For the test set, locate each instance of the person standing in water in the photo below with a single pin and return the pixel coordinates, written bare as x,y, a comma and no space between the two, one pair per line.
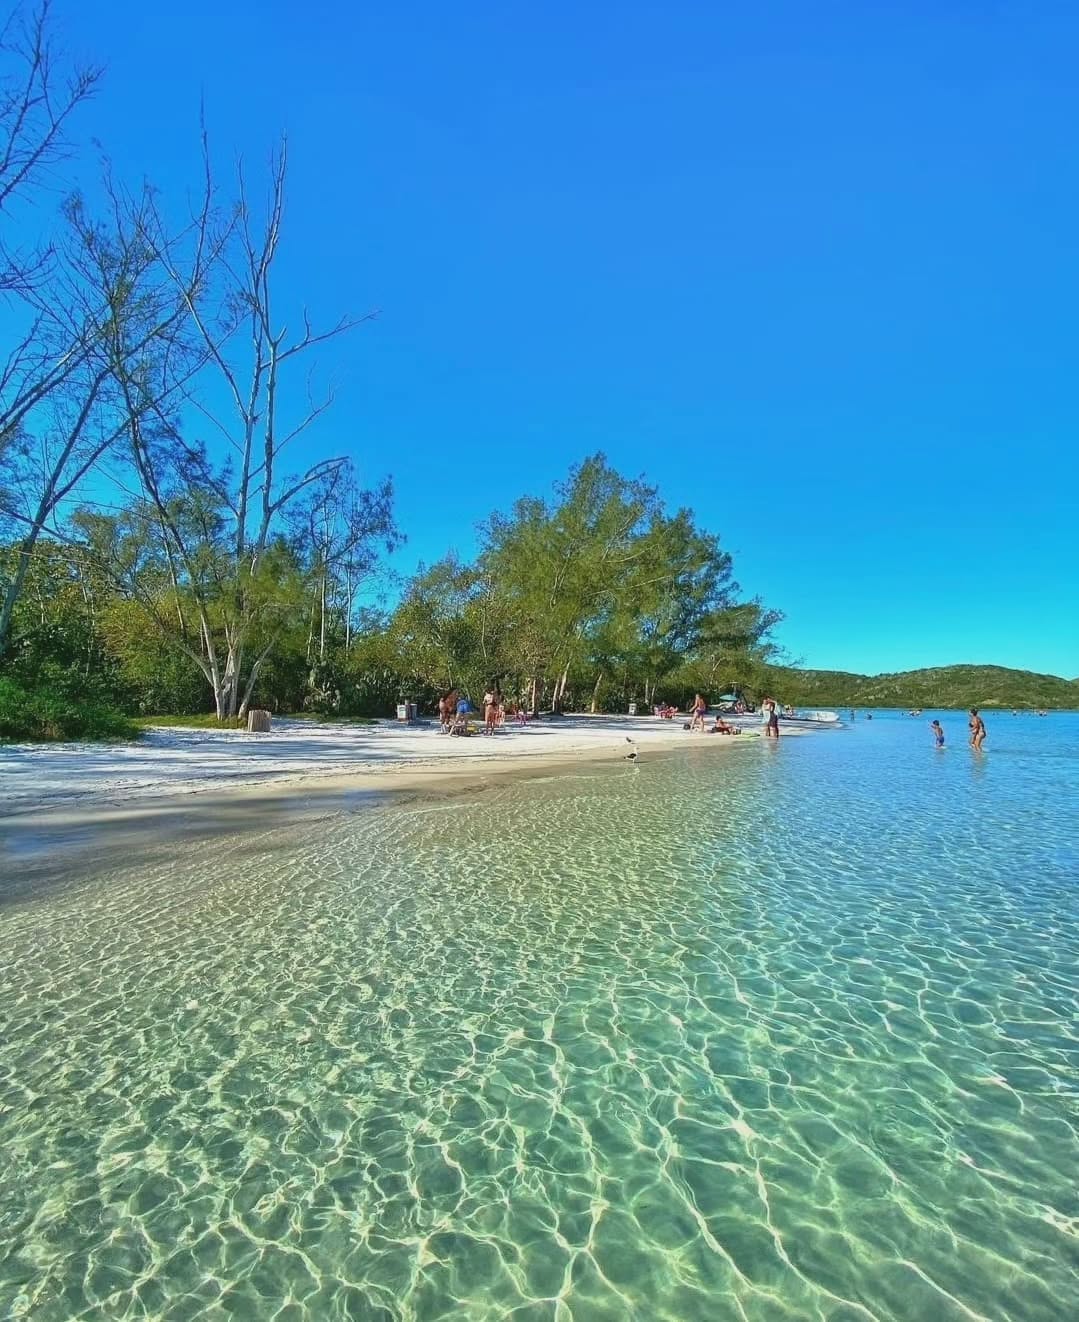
766,716
769,718
977,730
938,733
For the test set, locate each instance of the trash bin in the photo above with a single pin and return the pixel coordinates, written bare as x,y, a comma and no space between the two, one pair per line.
402,711
633,709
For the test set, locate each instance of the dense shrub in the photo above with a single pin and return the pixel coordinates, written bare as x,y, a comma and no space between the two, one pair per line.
50,711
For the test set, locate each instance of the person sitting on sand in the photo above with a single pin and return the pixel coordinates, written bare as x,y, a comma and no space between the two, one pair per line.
721,727
460,721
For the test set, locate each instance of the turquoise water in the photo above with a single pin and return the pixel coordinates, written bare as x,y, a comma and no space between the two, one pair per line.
771,1033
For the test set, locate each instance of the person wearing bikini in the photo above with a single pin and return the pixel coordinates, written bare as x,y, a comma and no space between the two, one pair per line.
977,730
490,710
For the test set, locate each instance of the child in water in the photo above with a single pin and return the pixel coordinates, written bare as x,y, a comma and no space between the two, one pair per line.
938,732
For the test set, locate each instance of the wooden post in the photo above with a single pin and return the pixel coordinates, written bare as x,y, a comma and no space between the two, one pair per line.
258,721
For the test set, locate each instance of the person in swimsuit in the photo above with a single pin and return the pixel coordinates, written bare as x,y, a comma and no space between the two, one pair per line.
700,709
490,711
977,730
769,718
938,733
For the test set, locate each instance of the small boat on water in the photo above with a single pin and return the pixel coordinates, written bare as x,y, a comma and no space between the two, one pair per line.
811,718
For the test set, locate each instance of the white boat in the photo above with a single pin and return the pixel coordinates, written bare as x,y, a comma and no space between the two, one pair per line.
812,717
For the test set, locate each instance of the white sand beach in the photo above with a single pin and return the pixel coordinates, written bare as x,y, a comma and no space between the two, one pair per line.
188,782
181,761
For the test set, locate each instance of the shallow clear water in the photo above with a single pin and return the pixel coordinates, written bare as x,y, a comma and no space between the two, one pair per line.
786,1033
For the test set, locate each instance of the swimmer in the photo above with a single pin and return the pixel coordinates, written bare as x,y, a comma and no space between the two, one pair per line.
938,733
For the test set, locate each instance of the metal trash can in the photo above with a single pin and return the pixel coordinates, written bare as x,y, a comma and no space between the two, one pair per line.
633,709
402,711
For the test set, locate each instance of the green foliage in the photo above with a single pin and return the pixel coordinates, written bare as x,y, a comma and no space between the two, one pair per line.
454,628
592,597
372,681
209,721
156,675
194,721
948,687
51,711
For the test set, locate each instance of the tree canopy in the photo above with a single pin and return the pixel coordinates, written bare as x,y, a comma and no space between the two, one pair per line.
181,529
596,590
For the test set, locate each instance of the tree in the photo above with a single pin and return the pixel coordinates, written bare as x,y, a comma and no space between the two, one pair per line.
110,295
39,95
38,98
454,628
600,583
732,650
343,530
226,581
565,564
679,584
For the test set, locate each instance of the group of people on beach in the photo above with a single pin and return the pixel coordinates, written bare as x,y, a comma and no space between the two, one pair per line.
698,714
454,709
975,724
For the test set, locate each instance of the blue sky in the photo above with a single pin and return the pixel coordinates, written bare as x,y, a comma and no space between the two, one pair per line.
811,268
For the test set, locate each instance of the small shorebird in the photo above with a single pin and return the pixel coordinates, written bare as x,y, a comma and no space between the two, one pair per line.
632,755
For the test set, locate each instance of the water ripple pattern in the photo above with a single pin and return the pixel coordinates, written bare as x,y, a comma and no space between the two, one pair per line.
787,1034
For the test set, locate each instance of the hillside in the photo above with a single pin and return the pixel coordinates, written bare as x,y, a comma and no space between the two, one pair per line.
939,686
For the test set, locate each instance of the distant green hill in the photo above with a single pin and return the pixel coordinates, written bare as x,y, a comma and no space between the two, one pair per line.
940,686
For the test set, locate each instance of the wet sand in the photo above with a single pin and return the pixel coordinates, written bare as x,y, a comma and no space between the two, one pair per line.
43,838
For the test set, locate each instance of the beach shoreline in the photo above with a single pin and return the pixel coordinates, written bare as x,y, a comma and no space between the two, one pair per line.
193,784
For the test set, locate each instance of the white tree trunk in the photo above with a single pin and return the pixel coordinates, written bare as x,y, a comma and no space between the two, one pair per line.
595,693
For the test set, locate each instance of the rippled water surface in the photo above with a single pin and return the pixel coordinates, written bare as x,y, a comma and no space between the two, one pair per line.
769,1033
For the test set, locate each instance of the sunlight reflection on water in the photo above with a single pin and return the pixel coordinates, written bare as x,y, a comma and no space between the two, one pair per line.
789,1033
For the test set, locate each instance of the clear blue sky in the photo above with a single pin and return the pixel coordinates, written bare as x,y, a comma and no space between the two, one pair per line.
813,268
